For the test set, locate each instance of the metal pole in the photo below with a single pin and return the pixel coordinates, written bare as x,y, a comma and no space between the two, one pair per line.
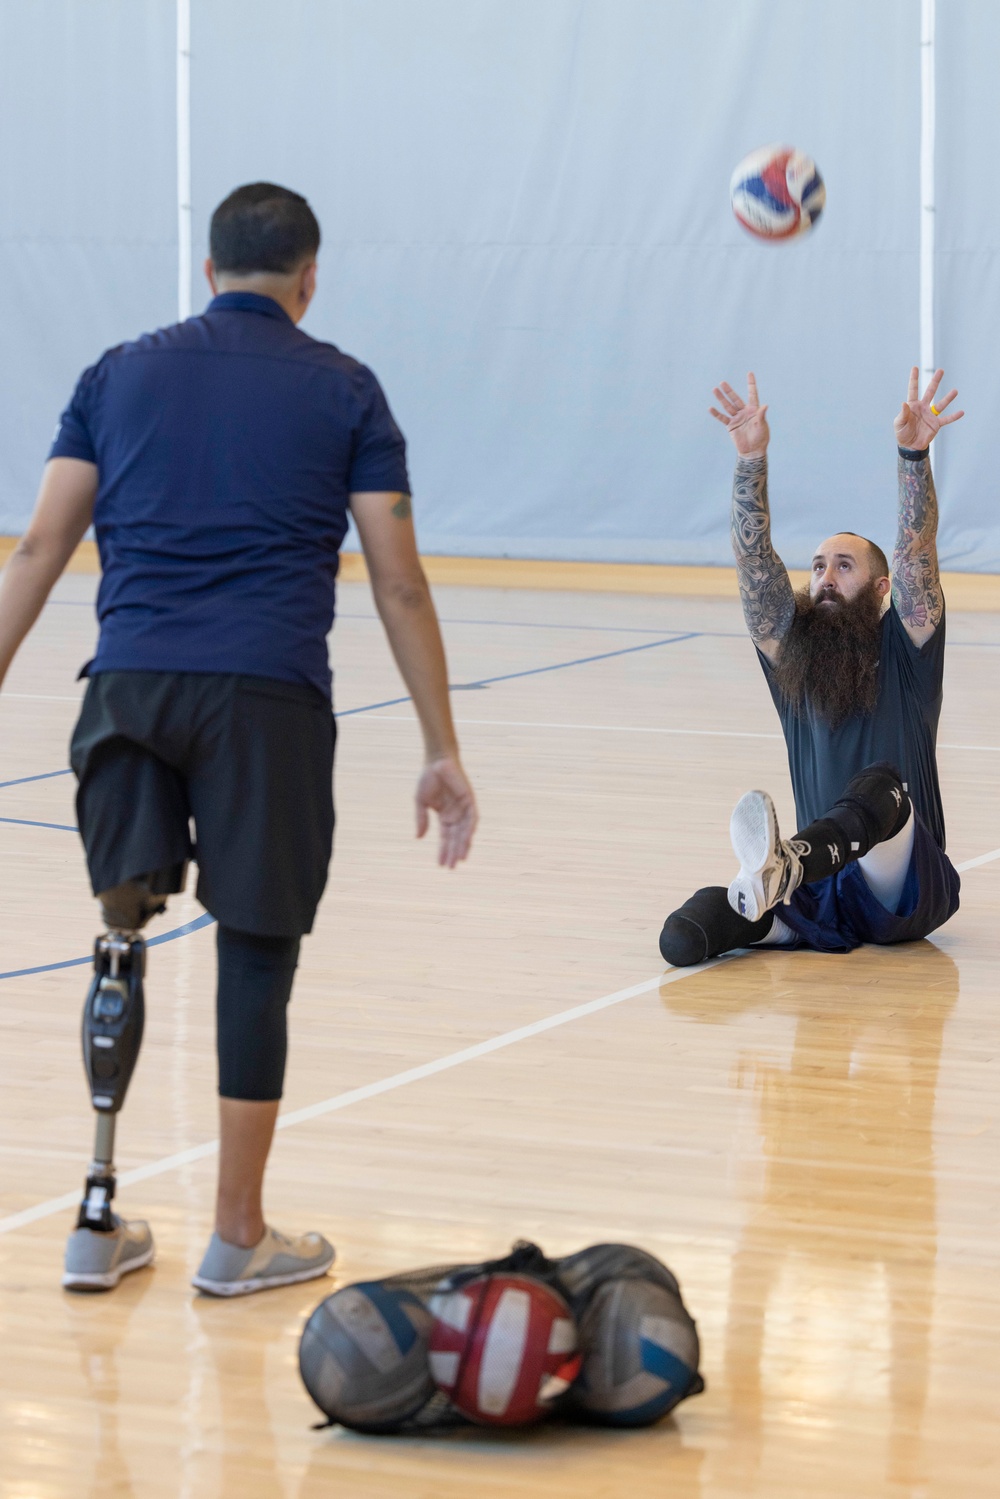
184,246
927,205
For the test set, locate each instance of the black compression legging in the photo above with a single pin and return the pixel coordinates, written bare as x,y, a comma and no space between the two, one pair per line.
255,985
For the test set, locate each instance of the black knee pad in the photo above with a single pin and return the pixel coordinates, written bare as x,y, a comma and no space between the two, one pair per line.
128,906
874,807
705,926
255,985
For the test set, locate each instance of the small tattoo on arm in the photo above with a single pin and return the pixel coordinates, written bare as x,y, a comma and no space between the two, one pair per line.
403,509
765,588
916,582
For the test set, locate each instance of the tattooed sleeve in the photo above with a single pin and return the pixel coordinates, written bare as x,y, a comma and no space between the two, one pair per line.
768,601
916,584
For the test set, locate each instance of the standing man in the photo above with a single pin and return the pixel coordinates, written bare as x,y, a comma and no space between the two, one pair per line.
854,664
218,460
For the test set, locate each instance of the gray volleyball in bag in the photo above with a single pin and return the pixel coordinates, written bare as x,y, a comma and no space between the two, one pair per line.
639,1344
363,1356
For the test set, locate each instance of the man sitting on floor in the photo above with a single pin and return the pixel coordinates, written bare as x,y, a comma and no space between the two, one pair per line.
855,665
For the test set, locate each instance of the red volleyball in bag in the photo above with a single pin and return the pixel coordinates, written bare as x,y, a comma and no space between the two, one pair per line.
503,1348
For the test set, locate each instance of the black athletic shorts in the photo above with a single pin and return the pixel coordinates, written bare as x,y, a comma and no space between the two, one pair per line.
248,759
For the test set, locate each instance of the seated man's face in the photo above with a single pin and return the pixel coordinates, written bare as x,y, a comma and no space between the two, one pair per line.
841,570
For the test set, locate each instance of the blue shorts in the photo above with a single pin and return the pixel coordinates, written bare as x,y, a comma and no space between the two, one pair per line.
838,914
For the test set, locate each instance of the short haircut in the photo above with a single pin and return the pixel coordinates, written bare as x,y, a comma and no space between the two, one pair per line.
879,561
262,227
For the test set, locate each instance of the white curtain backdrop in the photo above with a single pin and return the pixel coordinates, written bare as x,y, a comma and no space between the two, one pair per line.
527,235
88,236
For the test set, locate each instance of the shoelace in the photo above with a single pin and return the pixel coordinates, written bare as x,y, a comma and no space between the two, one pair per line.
793,873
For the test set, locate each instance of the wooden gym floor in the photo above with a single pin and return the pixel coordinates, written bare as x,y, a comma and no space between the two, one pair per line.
809,1142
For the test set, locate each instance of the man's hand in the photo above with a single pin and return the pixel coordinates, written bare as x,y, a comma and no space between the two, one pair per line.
921,417
745,421
444,789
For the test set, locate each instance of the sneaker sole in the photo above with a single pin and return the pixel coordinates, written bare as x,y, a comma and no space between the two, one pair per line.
260,1282
81,1281
753,831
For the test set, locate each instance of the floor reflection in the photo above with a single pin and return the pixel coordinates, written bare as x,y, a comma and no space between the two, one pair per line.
98,1339
240,1455
831,1294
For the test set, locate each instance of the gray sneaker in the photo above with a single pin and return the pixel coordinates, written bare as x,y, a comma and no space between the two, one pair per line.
770,868
228,1270
97,1261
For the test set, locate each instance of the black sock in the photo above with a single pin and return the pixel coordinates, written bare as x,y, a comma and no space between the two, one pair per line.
705,926
874,807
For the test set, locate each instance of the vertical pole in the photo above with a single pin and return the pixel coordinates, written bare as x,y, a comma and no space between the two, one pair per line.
184,239
927,204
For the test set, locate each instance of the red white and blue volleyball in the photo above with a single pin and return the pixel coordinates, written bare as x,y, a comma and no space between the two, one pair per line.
503,1348
777,193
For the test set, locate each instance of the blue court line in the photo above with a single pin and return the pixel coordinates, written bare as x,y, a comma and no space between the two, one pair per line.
46,775
202,921
25,822
485,681
534,671
178,931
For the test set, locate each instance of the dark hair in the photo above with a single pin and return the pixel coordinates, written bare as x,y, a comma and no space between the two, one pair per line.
261,227
879,561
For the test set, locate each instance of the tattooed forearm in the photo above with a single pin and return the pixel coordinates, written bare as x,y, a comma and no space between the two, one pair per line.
916,583
768,601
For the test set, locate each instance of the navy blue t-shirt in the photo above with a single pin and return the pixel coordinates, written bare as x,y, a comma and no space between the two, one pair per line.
226,449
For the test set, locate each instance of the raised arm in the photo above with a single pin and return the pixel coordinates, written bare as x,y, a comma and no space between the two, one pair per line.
765,588
916,582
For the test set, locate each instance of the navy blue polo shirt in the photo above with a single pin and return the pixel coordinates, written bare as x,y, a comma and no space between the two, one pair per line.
226,449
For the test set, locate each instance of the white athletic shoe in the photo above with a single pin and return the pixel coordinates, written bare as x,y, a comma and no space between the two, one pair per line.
228,1270
97,1261
770,869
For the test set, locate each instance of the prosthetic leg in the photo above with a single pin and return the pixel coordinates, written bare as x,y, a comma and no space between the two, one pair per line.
113,1019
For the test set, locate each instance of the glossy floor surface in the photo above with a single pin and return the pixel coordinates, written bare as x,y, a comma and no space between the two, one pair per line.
811,1143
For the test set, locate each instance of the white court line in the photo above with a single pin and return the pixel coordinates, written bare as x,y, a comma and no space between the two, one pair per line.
398,1079
369,1090
620,728
975,863
525,723
604,728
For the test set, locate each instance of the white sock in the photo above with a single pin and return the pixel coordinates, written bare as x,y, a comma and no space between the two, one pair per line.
885,866
780,935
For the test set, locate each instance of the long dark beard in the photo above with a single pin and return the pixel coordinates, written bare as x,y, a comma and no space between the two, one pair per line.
829,658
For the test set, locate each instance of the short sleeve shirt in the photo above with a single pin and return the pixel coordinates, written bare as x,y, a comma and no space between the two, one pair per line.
227,447
902,730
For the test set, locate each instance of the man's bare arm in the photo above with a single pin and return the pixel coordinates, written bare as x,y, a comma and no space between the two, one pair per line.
407,611
765,587
916,581
768,601
63,511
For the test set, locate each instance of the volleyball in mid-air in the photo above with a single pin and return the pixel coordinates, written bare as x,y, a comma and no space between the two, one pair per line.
777,193
502,1347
